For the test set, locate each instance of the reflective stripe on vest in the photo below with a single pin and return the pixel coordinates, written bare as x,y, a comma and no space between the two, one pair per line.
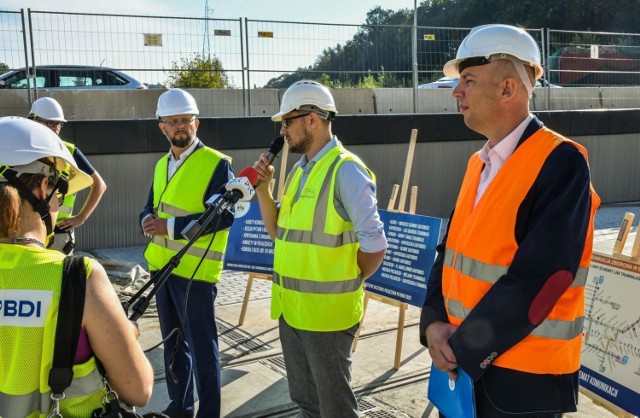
309,290
25,405
473,263
181,196
323,288
66,209
550,328
490,273
194,251
317,236
171,210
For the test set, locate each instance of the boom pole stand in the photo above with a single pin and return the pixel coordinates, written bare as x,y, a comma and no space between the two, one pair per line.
139,302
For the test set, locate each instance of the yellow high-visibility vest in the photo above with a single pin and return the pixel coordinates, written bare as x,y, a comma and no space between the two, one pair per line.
183,195
30,282
66,210
317,284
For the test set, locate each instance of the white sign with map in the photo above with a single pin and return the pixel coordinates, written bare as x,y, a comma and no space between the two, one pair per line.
611,347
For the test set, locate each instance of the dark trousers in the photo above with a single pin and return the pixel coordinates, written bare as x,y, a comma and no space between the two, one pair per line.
194,355
486,408
319,371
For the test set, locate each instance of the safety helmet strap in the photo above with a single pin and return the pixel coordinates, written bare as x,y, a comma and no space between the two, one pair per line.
324,114
41,206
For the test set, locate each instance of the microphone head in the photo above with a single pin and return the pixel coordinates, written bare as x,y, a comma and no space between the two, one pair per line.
276,145
250,173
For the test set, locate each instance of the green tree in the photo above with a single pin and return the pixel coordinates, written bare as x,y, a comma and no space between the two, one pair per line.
198,72
3,68
384,41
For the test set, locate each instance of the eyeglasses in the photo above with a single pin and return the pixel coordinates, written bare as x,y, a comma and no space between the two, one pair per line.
286,122
178,121
52,124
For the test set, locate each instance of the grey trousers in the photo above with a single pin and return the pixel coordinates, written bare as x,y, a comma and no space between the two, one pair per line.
319,371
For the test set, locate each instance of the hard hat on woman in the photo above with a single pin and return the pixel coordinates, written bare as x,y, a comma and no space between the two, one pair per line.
27,147
23,143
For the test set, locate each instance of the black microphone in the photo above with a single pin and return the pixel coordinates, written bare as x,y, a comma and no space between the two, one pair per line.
240,188
274,149
272,152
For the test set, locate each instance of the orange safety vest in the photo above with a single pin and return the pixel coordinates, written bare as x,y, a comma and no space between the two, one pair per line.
473,263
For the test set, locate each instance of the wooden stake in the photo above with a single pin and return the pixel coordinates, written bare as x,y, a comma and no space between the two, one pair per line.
407,169
635,251
283,170
413,201
247,292
394,195
618,245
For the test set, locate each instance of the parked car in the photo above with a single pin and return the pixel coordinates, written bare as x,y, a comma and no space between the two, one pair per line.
544,83
70,77
449,83
441,83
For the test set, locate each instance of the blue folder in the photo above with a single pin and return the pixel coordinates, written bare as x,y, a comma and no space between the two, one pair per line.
453,399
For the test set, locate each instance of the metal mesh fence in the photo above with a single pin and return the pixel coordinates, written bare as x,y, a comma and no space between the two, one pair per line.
12,44
280,53
146,47
593,58
276,53
254,54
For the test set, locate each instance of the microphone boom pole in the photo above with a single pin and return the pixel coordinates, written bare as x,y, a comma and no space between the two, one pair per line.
139,302
240,188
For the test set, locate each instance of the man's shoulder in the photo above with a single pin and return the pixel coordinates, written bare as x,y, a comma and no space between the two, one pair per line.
212,152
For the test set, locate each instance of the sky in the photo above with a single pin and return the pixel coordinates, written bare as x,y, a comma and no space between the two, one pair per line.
304,43
327,11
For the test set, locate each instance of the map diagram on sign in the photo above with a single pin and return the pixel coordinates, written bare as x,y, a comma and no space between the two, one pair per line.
611,346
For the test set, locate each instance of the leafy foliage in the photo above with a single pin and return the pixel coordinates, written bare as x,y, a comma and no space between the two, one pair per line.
354,63
4,68
198,72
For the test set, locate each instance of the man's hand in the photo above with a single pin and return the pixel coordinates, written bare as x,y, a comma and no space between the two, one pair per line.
265,172
152,225
438,334
70,223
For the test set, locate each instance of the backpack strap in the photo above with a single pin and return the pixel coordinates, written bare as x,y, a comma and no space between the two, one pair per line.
70,311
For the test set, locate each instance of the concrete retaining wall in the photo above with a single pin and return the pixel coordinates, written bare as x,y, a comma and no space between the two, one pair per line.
141,104
438,168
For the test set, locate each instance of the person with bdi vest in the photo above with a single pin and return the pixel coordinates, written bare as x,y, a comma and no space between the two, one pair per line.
184,180
48,112
36,171
328,240
505,298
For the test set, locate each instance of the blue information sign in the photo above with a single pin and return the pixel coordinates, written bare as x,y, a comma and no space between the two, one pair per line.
250,248
412,248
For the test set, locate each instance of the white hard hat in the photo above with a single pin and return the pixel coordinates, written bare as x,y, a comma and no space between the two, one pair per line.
496,39
47,108
24,142
176,102
307,95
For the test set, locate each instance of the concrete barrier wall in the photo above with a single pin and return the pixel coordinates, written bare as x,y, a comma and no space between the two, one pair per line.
438,168
141,104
